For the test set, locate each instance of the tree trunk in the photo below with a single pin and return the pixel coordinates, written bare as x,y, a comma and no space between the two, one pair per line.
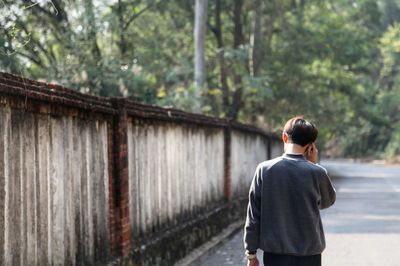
238,39
217,30
199,48
91,30
95,80
255,41
122,40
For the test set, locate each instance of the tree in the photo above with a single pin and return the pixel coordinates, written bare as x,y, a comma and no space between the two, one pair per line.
334,61
200,26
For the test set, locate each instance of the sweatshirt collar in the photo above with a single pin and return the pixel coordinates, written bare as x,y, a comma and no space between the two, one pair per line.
294,156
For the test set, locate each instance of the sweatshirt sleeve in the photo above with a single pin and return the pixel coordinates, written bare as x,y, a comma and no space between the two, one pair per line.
327,191
252,225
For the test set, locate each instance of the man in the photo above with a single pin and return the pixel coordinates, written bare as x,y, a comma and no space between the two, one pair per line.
285,197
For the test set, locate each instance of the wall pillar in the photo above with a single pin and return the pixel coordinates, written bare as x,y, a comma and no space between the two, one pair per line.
227,162
269,147
113,236
121,179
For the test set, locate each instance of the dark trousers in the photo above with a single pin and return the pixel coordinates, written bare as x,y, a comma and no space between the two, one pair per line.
272,259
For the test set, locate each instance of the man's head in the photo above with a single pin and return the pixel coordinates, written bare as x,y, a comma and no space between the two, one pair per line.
299,131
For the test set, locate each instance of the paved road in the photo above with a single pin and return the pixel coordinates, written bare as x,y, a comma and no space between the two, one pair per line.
362,228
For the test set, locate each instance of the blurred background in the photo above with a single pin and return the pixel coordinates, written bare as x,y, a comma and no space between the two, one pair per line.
336,62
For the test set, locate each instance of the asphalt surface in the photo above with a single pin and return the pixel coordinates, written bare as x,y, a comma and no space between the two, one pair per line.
362,228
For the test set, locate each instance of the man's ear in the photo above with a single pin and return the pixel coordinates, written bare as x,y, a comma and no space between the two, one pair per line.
307,147
284,137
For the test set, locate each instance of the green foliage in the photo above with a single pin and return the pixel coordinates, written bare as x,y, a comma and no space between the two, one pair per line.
336,62
392,150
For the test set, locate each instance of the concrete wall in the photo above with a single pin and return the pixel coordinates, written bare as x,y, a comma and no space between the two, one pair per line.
53,189
248,150
276,147
92,180
173,170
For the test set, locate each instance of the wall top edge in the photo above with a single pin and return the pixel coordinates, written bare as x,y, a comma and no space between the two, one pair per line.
256,130
152,112
29,89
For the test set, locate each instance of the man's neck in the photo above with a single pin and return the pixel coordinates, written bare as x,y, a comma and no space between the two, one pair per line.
291,148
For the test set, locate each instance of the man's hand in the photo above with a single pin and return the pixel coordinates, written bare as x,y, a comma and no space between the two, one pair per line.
253,262
312,153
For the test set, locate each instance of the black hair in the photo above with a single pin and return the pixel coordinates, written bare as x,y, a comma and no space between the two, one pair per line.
300,131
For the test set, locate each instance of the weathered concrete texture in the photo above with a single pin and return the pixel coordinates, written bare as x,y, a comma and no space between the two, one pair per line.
276,147
248,150
53,189
165,247
176,185
81,173
196,257
174,171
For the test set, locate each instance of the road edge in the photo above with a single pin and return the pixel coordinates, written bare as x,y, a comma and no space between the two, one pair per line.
198,255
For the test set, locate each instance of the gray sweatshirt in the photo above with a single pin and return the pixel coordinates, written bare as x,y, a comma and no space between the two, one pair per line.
285,197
